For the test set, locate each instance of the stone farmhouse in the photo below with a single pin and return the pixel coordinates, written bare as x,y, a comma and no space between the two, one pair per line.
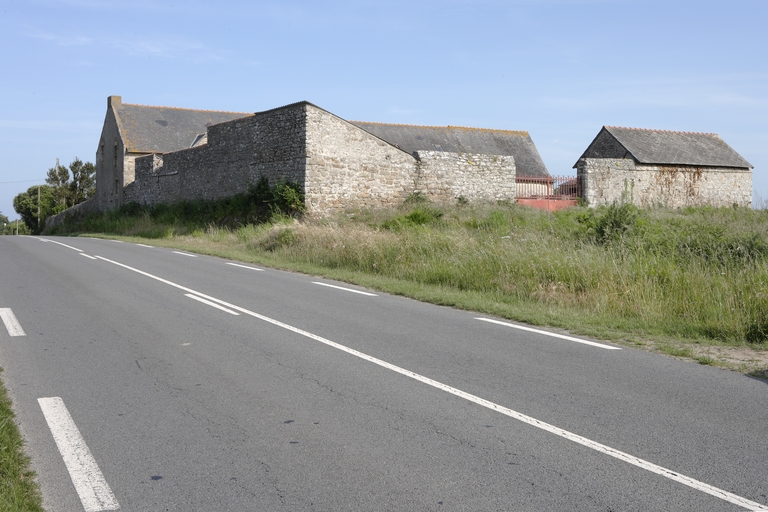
159,154
131,131
663,168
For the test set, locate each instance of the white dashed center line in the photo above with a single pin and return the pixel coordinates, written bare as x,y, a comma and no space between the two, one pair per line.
212,304
551,334
345,289
246,266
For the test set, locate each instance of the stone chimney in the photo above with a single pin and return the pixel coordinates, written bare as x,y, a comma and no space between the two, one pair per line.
114,101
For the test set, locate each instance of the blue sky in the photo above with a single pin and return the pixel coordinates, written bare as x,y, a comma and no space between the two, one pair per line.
559,69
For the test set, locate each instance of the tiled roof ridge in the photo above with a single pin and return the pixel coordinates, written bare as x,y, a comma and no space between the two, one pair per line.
515,132
187,109
664,131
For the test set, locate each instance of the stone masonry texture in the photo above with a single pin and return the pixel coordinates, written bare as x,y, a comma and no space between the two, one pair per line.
608,180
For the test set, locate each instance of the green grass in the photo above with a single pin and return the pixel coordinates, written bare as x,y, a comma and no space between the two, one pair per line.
18,490
696,276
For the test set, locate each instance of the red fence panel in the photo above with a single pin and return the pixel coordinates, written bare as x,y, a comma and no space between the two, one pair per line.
547,187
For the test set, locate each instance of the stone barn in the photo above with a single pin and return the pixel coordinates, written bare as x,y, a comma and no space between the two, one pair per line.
151,155
663,168
339,164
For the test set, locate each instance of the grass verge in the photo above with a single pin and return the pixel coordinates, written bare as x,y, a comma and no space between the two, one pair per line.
18,490
690,283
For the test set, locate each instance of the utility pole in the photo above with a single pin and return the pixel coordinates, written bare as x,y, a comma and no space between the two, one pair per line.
38,208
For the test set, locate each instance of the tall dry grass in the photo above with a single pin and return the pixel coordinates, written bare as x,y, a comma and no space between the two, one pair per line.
697,273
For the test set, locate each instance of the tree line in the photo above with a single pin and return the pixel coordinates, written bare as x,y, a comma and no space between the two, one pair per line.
64,188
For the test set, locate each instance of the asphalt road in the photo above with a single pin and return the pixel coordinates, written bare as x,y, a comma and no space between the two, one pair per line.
151,380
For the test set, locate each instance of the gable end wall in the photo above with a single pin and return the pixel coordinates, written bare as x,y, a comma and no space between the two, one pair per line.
110,164
349,168
605,145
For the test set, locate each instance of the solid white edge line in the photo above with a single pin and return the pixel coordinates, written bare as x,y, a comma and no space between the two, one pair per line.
12,325
212,304
87,256
59,243
345,289
551,334
246,266
186,254
90,484
630,459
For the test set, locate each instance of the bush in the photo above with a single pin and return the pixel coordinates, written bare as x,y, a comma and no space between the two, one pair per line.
612,223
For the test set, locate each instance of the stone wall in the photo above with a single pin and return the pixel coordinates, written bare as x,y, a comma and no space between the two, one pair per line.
238,153
348,167
605,180
74,212
338,165
444,177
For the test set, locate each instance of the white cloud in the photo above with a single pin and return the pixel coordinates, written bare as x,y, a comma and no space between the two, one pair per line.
138,45
60,39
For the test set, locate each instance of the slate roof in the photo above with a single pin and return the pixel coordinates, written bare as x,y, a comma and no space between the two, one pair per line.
164,129
456,139
662,147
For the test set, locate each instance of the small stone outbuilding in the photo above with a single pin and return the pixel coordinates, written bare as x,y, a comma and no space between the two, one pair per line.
663,168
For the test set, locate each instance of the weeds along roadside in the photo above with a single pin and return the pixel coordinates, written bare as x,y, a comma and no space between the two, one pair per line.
618,272
18,489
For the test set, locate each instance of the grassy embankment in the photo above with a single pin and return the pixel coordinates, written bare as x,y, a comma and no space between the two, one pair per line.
691,282
18,489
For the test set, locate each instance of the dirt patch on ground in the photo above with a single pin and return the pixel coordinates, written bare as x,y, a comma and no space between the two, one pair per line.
743,359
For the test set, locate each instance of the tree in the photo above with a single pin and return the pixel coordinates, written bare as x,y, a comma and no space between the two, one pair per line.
26,205
4,222
83,185
69,192
58,178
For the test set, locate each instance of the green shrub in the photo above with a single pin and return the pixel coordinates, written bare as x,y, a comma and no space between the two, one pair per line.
419,216
612,223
